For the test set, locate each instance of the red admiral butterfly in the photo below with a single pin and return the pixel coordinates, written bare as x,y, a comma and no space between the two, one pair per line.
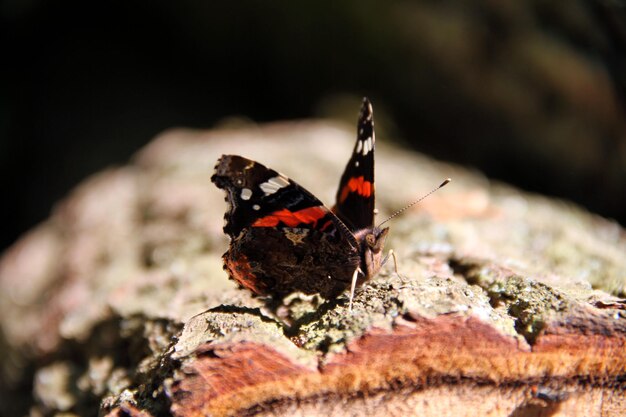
283,239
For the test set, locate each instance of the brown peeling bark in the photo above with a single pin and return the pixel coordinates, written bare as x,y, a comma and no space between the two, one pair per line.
507,304
235,377
416,356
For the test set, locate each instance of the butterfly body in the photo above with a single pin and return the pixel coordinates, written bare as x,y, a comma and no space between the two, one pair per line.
283,239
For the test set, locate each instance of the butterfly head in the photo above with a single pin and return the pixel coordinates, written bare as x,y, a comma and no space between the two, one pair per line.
372,243
374,239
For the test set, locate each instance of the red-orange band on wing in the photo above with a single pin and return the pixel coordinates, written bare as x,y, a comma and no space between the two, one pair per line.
358,185
291,218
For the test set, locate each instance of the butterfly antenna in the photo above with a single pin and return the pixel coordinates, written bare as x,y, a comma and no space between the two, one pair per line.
444,183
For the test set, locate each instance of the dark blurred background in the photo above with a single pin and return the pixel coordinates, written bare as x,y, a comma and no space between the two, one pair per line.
530,92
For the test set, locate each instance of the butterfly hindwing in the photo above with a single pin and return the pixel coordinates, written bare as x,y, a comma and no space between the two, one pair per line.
355,198
304,260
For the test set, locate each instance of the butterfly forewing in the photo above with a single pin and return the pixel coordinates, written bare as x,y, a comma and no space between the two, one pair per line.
355,197
257,194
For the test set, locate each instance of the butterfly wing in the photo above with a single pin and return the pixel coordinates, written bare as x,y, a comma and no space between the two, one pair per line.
283,238
355,198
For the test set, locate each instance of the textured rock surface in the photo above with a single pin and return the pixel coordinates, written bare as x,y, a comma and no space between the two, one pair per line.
508,304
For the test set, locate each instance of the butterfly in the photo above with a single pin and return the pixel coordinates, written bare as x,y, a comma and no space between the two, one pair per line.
284,239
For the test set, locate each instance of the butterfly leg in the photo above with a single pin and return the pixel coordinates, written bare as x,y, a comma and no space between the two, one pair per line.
353,286
395,260
395,264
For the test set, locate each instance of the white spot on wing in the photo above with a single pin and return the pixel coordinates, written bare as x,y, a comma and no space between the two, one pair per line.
246,193
274,184
359,146
367,146
283,181
356,164
256,207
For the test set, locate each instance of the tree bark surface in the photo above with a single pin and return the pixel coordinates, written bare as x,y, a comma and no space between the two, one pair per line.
506,303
